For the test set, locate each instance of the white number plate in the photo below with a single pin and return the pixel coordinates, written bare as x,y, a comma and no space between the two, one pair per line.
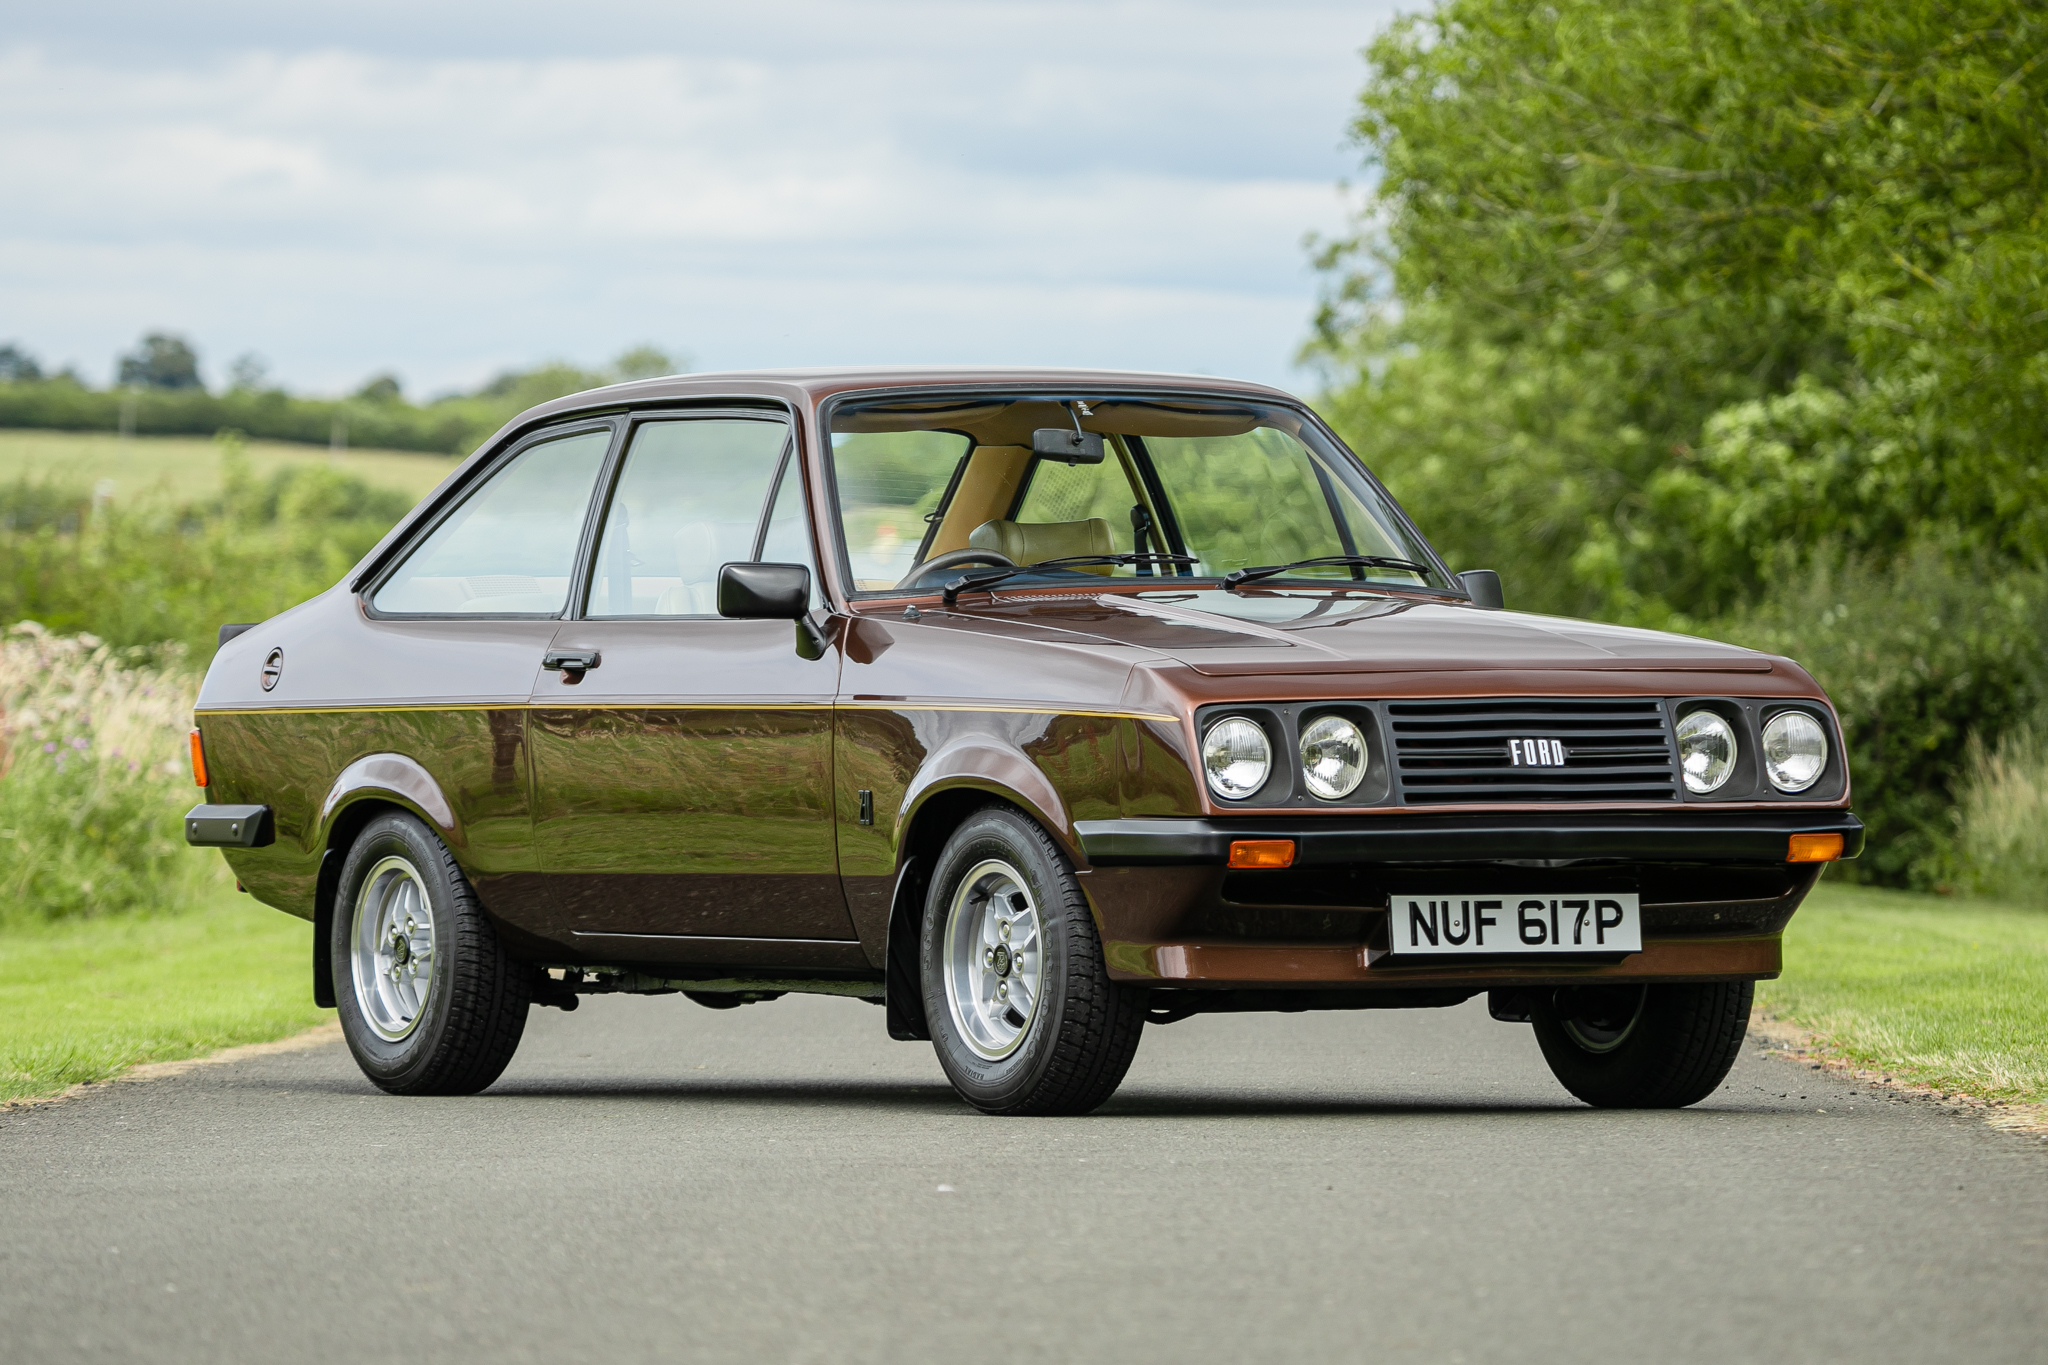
1437,926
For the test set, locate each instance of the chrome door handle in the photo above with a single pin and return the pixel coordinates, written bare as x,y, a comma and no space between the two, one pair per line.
572,664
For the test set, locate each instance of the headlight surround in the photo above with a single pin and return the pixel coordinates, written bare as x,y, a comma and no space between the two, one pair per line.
1236,757
1706,752
1795,751
1333,757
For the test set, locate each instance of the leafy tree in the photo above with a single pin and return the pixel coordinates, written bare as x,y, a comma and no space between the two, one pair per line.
646,362
247,373
383,388
18,366
1673,247
161,361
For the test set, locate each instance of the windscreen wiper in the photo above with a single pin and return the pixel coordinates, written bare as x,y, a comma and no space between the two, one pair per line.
976,579
1237,576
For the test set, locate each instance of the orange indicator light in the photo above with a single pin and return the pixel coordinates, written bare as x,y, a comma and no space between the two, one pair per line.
198,761
1814,848
1262,853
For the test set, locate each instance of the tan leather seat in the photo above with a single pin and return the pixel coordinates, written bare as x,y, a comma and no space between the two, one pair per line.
1031,542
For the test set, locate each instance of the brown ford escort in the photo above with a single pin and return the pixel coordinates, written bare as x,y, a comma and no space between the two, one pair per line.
1032,706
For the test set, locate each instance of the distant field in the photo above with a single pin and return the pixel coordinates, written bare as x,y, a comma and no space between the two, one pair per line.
190,466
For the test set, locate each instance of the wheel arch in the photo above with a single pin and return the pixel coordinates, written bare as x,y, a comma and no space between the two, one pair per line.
374,785
939,811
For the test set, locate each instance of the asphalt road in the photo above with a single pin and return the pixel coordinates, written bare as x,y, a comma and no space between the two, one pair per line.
653,1180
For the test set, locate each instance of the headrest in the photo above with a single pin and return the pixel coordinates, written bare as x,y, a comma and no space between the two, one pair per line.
1030,542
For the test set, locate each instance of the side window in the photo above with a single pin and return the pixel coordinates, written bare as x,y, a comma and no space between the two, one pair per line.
688,500
789,529
509,547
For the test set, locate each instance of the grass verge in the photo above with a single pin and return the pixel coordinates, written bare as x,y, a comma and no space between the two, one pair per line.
1931,991
82,1000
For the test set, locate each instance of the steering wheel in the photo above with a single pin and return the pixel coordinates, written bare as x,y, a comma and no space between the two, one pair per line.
953,559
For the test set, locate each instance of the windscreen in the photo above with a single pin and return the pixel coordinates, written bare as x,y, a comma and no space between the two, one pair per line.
1181,488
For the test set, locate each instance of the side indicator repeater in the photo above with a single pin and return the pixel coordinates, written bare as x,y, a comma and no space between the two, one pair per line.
1814,848
198,760
1261,853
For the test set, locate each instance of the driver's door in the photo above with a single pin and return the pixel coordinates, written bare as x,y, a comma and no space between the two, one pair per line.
682,808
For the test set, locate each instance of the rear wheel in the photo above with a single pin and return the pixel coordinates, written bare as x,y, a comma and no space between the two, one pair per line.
1643,1047
1023,1014
430,1001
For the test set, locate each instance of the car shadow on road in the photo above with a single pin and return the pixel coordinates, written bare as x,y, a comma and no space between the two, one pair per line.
903,1096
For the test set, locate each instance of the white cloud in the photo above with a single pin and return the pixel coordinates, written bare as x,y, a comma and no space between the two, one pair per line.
1002,182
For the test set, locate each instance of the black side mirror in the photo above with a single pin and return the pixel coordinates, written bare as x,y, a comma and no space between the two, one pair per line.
1484,585
1068,443
771,592
764,592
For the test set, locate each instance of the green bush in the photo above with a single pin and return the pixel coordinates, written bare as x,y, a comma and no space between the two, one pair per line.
1922,659
2003,849
95,778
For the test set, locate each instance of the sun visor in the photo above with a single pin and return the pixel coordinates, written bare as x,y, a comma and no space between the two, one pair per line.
915,417
1010,424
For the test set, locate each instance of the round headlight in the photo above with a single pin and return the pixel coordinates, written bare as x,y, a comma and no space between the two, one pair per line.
1332,757
1236,757
1706,752
1795,751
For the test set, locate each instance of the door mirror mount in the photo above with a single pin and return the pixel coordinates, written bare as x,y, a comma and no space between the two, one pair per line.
772,592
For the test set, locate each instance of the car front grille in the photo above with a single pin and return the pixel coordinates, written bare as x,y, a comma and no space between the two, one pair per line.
1455,752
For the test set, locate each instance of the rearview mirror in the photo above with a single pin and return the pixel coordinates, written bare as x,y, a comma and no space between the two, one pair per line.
1067,443
764,592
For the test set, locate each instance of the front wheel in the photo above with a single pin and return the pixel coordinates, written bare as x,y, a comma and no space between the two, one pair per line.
1643,1047
1023,1014
430,1001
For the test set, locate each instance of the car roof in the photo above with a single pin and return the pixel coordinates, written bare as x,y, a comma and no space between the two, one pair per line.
804,386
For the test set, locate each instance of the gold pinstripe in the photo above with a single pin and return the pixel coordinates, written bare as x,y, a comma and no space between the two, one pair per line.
579,705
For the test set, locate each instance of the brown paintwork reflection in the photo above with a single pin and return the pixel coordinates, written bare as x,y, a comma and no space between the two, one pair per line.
289,761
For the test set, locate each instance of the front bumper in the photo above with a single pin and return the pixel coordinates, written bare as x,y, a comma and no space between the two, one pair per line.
1688,836
1717,890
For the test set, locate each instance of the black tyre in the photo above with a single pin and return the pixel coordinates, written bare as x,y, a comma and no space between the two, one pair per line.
1643,1047
430,1002
1022,1011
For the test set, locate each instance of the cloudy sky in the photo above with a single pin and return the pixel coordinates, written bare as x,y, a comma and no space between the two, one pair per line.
449,189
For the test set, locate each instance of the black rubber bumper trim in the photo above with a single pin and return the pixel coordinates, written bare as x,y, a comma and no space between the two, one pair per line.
1696,837
230,827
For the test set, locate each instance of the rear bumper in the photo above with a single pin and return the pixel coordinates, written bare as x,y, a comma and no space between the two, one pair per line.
230,827
1686,835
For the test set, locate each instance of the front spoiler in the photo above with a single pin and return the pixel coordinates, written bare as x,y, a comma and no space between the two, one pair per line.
1688,835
